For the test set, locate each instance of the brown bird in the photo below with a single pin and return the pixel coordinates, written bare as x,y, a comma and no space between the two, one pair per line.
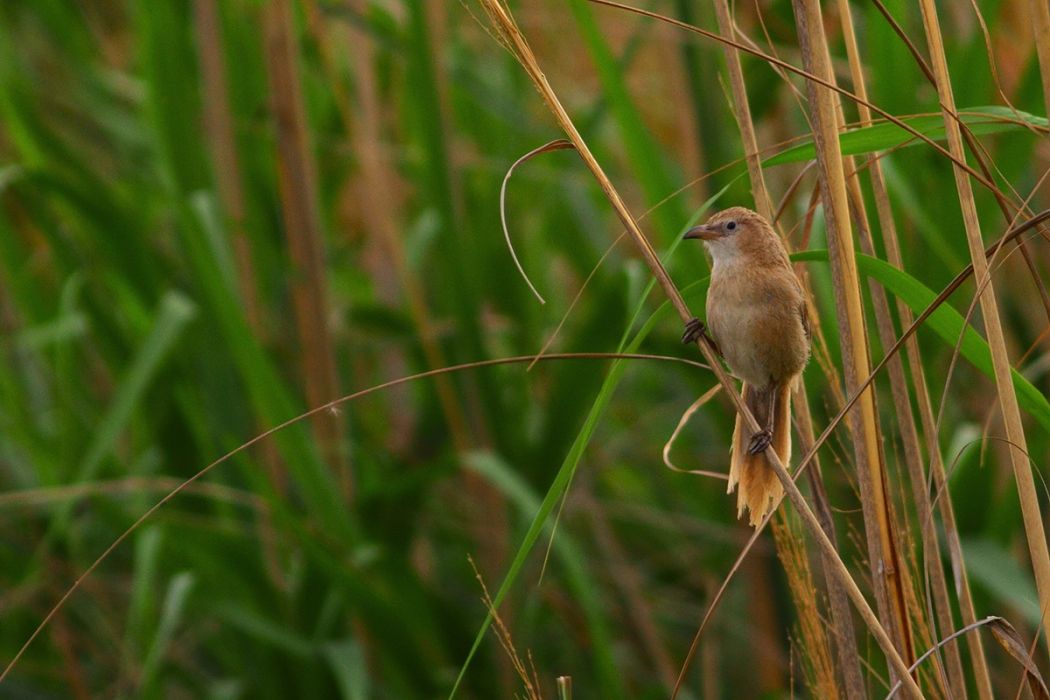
757,317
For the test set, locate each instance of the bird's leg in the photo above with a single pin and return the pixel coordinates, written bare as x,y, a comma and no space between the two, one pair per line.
695,329
762,439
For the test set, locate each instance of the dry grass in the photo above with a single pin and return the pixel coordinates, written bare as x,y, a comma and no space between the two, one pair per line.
214,213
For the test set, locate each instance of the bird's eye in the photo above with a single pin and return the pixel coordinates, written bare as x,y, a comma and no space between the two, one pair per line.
731,226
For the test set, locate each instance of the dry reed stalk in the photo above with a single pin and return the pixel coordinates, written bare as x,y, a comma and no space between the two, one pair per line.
378,211
303,231
222,146
1017,448
65,642
219,133
899,385
882,545
742,112
512,38
803,593
918,372
791,549
1040,19
842,620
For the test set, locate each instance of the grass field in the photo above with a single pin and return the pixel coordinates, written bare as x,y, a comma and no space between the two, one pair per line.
216,215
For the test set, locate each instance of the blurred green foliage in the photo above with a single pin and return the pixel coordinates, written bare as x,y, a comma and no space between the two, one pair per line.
130,360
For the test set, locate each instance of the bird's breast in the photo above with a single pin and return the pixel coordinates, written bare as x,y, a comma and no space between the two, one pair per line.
755,319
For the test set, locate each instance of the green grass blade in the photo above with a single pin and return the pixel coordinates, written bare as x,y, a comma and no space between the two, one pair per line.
568,467
991,119
947,323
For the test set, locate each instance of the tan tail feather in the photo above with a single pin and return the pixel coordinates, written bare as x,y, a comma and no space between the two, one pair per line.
760,489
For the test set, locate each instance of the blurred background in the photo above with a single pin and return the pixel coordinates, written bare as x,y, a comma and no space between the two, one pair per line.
217,214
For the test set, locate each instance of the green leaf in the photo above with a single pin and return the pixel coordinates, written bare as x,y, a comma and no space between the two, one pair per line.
347,660
171,614
883,136
993,567
568,467
175,312
946,322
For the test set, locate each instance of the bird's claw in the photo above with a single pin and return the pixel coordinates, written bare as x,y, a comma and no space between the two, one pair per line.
760,441
695,329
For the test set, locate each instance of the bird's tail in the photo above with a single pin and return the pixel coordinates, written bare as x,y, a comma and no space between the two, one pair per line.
760,489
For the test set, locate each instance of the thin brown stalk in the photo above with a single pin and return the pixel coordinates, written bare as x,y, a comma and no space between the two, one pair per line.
765,629
882,543
377,207
515,41
803,593
899,386
810,77
303,231
326,407
219,133
816,650
378,181
933,449
993,326
742,113
626,577
1040,19
842,627
221,140
811,451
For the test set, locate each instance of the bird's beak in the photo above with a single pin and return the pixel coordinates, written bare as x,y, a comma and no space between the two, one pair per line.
704,232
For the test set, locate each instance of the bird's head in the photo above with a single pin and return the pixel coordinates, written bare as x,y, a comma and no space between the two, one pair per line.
736,232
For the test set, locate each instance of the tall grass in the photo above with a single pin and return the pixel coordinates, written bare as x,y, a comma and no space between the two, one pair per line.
215,215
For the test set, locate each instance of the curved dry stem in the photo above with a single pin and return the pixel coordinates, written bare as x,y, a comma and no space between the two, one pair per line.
1030,509
292,421
810,454
682,422
958,633
960,163
557,145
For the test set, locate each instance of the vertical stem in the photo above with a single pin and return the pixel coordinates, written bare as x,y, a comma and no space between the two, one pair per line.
218,130
925,406
842,629
516,42
302,228
1040,19
1017,448
879,526
742,112
899,386
377,181
805,596
222,144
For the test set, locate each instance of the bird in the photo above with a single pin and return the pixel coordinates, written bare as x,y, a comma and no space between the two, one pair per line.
757,321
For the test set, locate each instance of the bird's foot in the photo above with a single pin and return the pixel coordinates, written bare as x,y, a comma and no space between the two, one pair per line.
760,441
695,329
